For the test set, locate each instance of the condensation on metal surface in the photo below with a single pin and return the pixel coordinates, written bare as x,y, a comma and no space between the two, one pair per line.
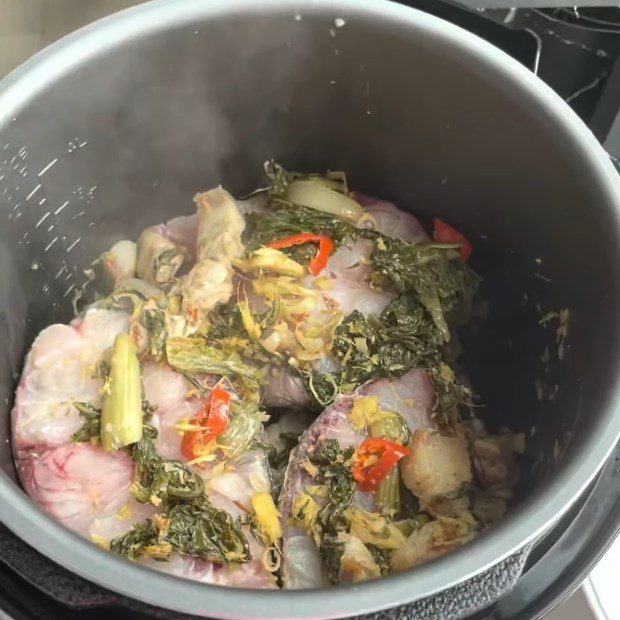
25,189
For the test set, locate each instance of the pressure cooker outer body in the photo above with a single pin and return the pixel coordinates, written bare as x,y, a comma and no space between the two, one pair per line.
117,126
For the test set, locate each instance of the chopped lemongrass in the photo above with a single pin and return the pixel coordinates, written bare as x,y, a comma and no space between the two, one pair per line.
316,195
363,412
267,516
387,497
367,220
187,427
121,415
100,542
269,259
391,426
124,513
158,552
407,526
249,322
203,458
272,558
304,511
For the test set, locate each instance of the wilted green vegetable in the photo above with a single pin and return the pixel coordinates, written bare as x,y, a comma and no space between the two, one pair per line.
194,527
91,428
334,471
432,273
286,220
158,480
193,355
187,521
243,429
279,179
154,319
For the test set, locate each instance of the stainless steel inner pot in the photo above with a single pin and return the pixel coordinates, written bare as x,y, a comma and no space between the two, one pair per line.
118,125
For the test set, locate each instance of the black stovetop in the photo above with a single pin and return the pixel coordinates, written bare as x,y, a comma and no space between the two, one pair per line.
576,53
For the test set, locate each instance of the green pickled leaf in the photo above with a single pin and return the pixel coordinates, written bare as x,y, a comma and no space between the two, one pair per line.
187,522
433,273
154,320
193,528
243,429
193,355
91,427
335,472
285,220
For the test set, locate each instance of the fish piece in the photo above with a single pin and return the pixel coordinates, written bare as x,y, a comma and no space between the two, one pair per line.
220,225
251,575
285,389
83,487
59,370
412,396
349,280
346,267
88,489
239,480
218,242
171,395
163,387
349,288
183,230
230,486
392,221
119,262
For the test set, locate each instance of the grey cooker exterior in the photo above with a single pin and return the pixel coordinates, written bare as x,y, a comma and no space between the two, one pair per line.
116,126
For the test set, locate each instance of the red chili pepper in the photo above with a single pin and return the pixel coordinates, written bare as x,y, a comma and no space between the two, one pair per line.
444,233
387,453
193,313
319,262
214,418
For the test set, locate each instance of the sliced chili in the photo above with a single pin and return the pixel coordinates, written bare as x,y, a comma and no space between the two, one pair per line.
214,418
444,233
375,459
319,262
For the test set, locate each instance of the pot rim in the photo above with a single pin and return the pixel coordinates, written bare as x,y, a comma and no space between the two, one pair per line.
532,518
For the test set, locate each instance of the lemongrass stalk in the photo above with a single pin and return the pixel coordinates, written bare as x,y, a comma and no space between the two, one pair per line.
121,415
315,194
407,526
387,496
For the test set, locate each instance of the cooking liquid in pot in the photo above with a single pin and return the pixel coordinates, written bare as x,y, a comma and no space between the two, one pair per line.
265,393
